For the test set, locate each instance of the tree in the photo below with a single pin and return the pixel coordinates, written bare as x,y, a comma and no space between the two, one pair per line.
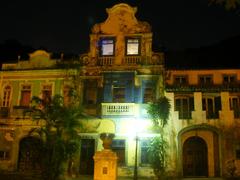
229,4
159,114
58,133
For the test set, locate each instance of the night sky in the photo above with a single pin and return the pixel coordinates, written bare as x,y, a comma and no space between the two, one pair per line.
64,26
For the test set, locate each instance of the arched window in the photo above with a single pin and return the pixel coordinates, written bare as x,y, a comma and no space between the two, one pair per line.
6,96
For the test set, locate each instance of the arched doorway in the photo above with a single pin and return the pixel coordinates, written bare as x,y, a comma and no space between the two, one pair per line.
29,159
195,157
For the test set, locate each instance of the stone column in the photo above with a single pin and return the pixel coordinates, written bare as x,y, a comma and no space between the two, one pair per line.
105,161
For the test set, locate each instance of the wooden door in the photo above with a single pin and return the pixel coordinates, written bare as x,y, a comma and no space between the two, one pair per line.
195,161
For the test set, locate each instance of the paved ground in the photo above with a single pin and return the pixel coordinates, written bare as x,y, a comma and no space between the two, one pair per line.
20,177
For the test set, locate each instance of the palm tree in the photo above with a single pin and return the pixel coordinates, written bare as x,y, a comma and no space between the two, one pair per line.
58,133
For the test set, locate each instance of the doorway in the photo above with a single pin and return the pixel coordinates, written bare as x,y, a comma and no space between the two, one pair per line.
87,151
29,159
195,157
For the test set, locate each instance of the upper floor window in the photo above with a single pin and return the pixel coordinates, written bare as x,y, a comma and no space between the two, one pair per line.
90,91
148,92
234,103
107,46
184,105
25,95
119,146
229,78
118,94
6,96
46,93
212,106
66,95
132,46
4,155
205,79
181,80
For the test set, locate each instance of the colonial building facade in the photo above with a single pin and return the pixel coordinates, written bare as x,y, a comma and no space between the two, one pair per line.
117,79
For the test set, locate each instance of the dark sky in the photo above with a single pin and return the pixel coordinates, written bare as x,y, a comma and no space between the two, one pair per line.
65,25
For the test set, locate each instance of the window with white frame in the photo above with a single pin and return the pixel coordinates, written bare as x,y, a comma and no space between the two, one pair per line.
132,46
107,46
6,96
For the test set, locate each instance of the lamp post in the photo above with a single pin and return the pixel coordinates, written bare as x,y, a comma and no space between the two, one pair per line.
135,175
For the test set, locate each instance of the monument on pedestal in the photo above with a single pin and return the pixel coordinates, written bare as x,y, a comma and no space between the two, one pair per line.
105,161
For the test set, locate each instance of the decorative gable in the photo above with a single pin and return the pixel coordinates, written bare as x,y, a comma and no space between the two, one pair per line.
121,19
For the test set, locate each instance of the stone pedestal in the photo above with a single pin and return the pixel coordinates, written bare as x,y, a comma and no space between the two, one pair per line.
105,165
105,161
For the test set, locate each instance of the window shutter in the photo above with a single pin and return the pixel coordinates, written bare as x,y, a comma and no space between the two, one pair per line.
191,103
218,105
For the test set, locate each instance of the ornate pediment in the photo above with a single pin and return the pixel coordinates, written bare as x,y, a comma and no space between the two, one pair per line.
121,19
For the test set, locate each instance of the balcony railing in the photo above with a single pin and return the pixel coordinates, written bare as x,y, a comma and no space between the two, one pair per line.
106,61
132,60
19,112
118,109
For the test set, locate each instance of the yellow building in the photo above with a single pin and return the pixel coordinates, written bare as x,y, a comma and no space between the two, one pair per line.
117,79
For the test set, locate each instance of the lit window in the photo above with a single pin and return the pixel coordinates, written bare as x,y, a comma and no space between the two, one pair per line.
118,146
6,96
25,95
107,47
133,46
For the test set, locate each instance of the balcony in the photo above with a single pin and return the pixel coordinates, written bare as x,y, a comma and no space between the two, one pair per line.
132,60
106,61
19,112
118,109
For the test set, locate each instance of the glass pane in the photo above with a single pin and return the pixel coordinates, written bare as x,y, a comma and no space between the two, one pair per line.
132,47
107,47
